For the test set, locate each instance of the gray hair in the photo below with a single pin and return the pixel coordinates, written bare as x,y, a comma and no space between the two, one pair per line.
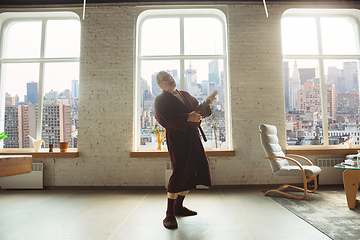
157,76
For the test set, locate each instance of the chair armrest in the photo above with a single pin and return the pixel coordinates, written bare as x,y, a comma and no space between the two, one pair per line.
301,157
290,159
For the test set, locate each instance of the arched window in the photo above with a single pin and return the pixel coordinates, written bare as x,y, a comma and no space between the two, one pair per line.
191,44
39,89
321,58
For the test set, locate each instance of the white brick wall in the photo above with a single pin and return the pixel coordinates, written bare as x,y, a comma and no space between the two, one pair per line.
106,100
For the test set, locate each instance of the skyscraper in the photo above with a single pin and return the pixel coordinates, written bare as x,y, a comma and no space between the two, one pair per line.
333,74
286,85
20,121
214,72
56,125
309,98
174,74
294,87
154,87
191,80
349,71
32,93
306,74
52,95
16,126
145,92
75,88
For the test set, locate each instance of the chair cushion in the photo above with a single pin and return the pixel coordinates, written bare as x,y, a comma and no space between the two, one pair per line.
310,171
270,143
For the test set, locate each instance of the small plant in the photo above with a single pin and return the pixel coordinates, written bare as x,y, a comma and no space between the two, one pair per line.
214,126
159,133
3,135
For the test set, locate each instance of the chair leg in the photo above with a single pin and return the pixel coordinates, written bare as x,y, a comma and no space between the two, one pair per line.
315,184
282,187
286,194
304,189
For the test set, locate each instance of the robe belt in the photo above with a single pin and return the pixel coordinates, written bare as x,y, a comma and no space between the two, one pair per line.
197,140
203,134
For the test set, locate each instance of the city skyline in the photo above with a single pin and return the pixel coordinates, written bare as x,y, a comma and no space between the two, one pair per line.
57,77
59,121
200,89
303,103
74,86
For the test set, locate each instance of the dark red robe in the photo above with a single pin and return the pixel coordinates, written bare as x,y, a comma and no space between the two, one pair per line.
188,159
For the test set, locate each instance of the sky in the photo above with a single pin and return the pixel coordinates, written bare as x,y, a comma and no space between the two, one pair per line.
299,37
201,36
24,41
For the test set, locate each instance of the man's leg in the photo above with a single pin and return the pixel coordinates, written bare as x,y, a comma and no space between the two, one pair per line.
170,220
171,204
180,210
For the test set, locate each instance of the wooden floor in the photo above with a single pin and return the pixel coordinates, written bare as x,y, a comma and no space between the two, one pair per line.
233,213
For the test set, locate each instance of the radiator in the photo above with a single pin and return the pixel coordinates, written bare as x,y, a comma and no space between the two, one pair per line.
330,175
32,180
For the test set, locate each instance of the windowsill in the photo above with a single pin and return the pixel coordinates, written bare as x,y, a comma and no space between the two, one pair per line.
164,154
43,153
316,150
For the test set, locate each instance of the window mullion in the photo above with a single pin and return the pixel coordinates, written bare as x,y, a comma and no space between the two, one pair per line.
41,83
2,87
37,60
182,52
2,103
351,57
176,57
322,85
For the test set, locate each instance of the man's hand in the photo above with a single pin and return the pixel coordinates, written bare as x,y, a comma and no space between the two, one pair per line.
194,116
211,99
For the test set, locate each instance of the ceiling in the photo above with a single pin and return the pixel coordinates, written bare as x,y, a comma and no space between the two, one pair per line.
54,2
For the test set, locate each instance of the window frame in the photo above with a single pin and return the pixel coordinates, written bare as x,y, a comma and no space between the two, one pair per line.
320,57
144,13
5,19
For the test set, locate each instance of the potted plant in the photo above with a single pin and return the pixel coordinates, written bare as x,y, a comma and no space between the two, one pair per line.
214,129
159,133
63,146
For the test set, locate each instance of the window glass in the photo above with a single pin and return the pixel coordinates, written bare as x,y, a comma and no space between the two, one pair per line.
304,114
23,39
38,86
342,93
149,90
162,36
203,36
180,45
299,35
21,102
338,36
60,104
321,89
202,77
62,38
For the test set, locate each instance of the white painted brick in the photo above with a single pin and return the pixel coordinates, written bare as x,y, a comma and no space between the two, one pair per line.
106,100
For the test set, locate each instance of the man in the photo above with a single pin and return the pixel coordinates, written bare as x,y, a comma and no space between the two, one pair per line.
174,109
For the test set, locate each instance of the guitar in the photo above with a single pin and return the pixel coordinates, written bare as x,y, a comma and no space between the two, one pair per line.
202,110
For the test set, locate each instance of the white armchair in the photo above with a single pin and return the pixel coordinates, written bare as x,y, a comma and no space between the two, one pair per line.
280,165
